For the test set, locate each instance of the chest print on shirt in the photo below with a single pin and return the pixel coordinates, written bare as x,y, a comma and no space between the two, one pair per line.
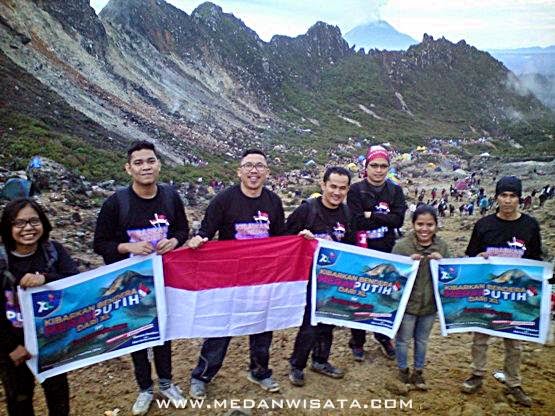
157,232
382,207
260,228
339,231
517,244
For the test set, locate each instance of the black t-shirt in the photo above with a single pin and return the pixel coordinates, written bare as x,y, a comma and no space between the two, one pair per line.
236,216
388,206
498,237
331,224
147,220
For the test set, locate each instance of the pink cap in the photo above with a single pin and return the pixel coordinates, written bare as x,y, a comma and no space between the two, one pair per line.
376,152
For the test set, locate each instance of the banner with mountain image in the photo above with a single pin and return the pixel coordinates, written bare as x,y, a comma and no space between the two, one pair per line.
500,296
94,316
360,288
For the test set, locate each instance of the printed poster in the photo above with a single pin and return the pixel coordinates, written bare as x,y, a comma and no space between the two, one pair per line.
94,316
500,296
360,288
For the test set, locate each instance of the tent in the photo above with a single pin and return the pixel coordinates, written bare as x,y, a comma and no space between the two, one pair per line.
461,185
352,167
310,163
16,188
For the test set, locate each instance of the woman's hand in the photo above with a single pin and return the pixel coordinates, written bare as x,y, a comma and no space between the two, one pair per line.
19,355
32,280
436,255
416,256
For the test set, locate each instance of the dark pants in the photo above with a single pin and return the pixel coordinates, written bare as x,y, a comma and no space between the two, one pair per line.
358,338
19,384
162,362
213,353
317,339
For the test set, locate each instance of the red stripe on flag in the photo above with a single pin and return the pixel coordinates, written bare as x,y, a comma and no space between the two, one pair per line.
219,264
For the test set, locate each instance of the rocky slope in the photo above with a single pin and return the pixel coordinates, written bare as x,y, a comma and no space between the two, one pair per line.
205,86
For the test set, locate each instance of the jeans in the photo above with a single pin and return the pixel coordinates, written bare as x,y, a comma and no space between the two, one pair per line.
513,352
358,338
162,362
317,339
19,385
419,328
214,350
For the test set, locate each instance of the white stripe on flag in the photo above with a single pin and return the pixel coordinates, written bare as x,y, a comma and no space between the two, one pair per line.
232,311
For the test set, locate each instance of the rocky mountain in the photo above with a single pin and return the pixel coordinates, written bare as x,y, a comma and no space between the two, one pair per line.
378,35
204,87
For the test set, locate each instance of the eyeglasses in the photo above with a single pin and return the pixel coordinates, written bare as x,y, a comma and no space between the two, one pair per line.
258,166
21,223
377,165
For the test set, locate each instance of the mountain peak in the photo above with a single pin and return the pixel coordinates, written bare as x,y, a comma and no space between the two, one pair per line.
378,34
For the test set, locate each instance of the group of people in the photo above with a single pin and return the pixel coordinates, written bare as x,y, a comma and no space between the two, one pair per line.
149,217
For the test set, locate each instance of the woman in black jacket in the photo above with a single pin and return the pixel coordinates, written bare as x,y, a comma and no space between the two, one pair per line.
29,259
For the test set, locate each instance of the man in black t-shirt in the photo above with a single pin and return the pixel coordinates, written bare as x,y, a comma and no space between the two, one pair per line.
329,218
144,218
378,208
508,233
244,211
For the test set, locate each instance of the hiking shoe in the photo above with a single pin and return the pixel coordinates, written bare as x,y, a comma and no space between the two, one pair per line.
358,353
472,384
142,404
296,377
519,396
175,394
268,383
327,369
387,348
417,379
198,389
404,375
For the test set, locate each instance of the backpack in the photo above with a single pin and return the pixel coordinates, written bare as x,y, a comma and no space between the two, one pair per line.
314,211
123,197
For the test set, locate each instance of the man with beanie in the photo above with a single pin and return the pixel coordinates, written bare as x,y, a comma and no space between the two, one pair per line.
378,207
507,233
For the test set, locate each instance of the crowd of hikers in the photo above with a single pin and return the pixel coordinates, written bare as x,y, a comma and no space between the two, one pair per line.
366,214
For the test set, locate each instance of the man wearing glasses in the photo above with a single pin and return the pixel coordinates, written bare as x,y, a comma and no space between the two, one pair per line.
244,211
378,208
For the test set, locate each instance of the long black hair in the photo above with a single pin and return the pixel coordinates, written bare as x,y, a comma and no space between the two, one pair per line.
9,215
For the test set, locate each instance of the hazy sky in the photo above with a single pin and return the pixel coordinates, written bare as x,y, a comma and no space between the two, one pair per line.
486,24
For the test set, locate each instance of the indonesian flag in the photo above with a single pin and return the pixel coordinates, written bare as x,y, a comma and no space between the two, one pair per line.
237,287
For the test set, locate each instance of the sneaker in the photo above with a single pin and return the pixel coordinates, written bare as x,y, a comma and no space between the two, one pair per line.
174,393
268,384
404,375
327,369
417,379
387,348
142,404
296,377
358,354
519,396
198,389
472,384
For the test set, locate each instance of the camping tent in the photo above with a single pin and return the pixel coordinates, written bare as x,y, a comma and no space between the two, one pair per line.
352,167
461,185
16,188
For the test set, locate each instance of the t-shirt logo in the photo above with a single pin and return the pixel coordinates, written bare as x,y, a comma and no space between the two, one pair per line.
262,217
515,248
382,207
260,228
157,232
13,313
339,231
517,244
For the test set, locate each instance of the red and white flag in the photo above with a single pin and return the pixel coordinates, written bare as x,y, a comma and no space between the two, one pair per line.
237,287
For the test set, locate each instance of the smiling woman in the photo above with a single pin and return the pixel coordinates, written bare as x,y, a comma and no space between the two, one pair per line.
31,260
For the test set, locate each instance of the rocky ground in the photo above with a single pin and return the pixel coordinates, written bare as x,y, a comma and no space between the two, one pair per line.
110,387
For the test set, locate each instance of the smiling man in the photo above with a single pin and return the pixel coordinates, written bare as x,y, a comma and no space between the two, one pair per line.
508,233
378,207
144,218
325,217
247,211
